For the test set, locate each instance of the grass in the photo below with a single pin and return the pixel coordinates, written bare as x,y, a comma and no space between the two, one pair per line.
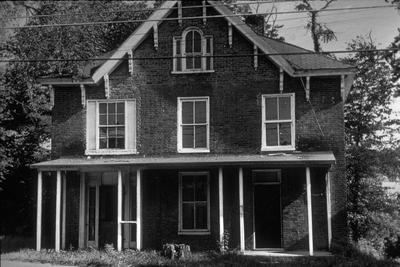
110,257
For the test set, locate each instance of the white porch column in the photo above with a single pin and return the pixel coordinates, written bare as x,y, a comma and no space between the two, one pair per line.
39,212
241,210
119,212
221,205
64,211
139,209
309,212
82,214
58,212
328,207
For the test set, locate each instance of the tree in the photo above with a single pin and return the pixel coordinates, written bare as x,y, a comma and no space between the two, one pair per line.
319,31
370,157
271,27
24,109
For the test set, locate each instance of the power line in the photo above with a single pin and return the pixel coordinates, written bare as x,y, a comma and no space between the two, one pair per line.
214,56
185,18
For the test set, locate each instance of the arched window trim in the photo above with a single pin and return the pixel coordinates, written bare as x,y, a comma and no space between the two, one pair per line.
180,54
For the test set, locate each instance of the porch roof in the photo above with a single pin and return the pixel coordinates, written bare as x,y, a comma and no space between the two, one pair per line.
281,159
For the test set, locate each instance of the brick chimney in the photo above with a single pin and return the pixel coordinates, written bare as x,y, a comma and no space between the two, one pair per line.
256,23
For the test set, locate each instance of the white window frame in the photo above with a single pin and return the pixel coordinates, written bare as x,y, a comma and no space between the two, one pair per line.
179,124
182,231
203,52
113,151
264,146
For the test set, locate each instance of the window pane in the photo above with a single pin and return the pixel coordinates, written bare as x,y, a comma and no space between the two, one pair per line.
111,119
201,216
201,188
92,213
179,64
112,132
187,215
120,119
208,63
208,48
201,136
103,132
187,136
111,108
103,119
103,143
112,142
189,42
200,111
103,108
272,134
178,46
120,143
121,108
187,188
189,62
284,108
197,41
285,134
197,62
271,108
187,112
121,132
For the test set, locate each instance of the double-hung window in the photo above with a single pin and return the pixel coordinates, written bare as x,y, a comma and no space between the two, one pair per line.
193,124
194,203
278,122
193,52
110,127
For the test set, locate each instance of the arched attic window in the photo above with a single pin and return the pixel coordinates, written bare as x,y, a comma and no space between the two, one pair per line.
193,51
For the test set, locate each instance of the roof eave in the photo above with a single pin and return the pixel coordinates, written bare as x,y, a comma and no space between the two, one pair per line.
324,72
65,81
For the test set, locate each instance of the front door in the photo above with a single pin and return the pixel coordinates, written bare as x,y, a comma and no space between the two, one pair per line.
267,210
108,215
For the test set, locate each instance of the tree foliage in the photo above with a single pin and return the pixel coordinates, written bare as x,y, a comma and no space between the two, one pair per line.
24,109
320,32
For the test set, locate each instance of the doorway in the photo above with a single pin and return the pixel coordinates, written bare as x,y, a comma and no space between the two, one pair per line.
267,209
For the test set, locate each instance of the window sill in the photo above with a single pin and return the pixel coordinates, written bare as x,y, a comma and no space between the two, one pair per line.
278,148
194,232
111,152
193,150
192,71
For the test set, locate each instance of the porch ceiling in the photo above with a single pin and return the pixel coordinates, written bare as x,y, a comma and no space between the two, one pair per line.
277,159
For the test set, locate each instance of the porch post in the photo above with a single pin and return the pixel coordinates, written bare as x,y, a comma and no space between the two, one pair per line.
39,212
139,209
328,207
309,212
58,211
241,210
82,199
221,206
119,212
64,206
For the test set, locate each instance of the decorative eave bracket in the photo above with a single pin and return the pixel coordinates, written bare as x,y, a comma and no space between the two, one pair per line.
281,76
180,12
204,12
51,93
83,95
342,87
155,29
308,88
130,61
230,39
107,86
255,48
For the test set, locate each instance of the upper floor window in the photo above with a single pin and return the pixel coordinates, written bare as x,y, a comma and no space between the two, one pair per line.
110,127
193,124
278,122
193,52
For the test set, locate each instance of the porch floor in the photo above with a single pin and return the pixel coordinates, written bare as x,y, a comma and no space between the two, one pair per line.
286,253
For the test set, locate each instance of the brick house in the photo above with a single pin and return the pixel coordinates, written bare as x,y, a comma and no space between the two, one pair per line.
227,135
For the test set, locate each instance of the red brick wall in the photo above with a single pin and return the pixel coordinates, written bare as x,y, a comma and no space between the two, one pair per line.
235,91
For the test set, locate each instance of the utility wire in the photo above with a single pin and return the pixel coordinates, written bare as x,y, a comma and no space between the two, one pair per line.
185,18
214,56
